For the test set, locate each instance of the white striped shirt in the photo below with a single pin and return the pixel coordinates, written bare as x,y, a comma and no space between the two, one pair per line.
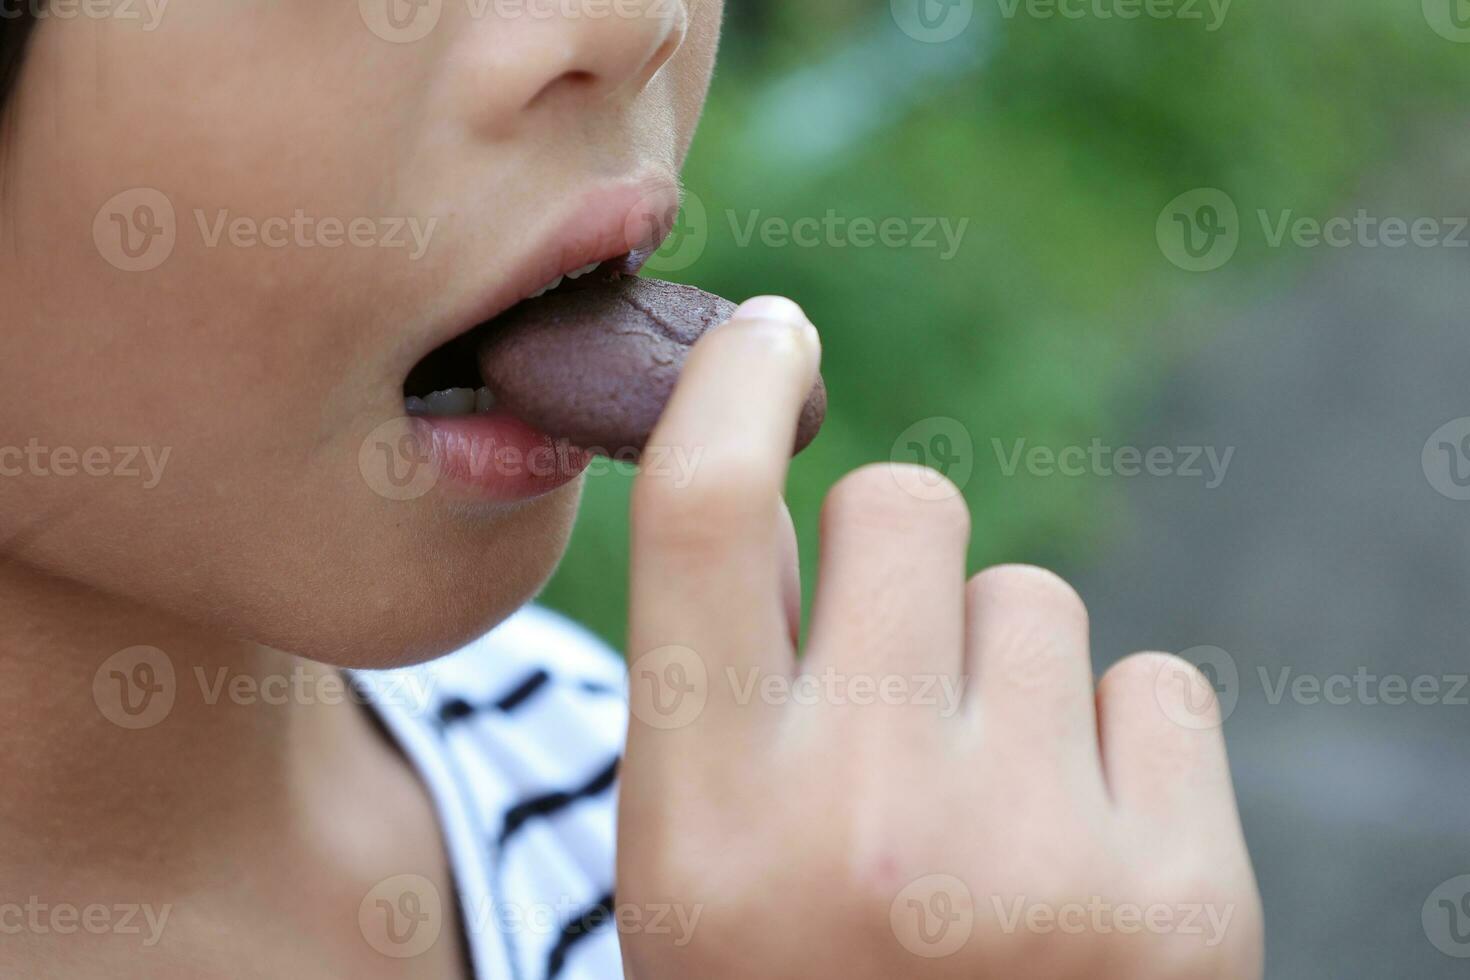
518,738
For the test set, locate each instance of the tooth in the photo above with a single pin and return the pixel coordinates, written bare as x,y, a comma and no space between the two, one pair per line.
454,401
579,273
547,288
484,401
414,405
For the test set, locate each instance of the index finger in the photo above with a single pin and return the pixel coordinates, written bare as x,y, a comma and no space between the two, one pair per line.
706,534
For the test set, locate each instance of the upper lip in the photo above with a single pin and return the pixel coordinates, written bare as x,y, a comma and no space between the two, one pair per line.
625,220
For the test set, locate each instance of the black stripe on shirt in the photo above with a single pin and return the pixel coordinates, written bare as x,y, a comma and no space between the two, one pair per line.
594,917
549,803
458,709
523,691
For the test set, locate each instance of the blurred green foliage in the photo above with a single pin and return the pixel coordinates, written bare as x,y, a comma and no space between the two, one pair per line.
1060,140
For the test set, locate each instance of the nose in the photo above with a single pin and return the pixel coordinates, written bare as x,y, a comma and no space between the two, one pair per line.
533,52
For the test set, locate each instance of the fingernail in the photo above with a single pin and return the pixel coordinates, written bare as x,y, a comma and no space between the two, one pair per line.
770,308
779,309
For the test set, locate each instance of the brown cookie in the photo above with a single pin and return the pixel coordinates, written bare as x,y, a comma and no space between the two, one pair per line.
595,362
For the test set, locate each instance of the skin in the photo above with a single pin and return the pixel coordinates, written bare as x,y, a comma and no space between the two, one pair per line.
261,370
1033,790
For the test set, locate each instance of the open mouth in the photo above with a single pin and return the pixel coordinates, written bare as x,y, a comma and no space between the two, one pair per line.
581,367
446,383
475,427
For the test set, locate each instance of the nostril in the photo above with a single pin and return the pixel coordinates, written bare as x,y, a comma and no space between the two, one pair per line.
573,81
532,62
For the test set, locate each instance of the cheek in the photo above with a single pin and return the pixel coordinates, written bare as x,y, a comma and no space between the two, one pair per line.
249,375
232,145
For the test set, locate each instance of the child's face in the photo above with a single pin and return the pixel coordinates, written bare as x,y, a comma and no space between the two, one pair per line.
510,138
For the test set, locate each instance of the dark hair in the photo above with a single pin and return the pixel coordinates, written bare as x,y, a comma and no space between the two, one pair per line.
15,29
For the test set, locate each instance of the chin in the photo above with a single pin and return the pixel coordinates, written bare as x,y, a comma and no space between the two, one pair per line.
444,588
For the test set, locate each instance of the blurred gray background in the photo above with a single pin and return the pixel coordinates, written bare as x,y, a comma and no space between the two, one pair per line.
1327,551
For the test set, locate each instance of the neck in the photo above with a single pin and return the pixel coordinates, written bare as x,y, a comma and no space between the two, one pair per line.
138,745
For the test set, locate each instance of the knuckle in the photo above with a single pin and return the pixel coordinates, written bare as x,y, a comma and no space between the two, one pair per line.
1176,683
1037,634
1170,708
875,494
1038,588
1136,675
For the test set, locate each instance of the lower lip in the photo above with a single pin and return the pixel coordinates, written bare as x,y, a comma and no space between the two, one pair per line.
497,456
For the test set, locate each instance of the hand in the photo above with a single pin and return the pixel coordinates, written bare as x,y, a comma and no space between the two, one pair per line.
936,790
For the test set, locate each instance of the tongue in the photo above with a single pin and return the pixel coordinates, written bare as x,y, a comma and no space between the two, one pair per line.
595,361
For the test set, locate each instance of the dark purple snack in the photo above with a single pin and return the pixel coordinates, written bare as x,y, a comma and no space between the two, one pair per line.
596,363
